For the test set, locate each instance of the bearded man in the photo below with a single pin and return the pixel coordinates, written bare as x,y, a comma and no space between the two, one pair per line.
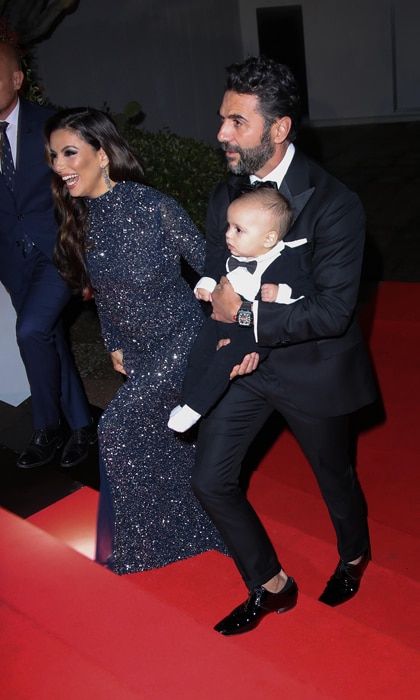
318,371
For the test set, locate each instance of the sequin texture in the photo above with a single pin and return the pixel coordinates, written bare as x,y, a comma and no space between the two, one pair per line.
137,236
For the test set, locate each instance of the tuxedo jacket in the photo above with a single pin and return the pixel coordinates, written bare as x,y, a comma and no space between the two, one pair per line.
320,360
29,209
285,269
288,269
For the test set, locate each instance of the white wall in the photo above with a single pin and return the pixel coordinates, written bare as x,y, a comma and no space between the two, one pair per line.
362,57
407,55
169,55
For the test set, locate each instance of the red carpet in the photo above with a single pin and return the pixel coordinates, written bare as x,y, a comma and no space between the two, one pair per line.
71,629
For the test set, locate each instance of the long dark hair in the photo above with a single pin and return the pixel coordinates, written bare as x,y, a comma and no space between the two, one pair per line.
99,131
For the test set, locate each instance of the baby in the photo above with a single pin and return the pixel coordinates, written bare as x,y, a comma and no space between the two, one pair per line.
261,267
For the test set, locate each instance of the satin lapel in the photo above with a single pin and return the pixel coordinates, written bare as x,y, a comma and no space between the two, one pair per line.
296,186
297,201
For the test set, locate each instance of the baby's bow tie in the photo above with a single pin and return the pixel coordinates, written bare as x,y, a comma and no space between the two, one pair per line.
233,263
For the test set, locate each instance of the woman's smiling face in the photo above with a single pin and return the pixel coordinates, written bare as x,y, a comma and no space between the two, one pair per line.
78,164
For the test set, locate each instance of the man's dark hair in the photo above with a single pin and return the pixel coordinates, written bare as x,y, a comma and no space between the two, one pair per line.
273,83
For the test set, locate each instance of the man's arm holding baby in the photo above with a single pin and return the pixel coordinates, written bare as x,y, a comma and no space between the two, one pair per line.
204,291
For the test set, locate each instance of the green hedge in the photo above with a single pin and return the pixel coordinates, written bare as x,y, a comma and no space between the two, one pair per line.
182,167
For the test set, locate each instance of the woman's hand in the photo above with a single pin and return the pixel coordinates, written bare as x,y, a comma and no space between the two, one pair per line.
87,293
117,361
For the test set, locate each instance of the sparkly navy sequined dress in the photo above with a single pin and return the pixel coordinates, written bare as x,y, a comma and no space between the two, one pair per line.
148,515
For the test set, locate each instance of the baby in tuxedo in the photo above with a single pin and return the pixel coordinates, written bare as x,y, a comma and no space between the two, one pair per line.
261,267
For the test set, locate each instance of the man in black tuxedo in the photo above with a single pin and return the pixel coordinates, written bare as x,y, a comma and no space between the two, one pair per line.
318,372
27,236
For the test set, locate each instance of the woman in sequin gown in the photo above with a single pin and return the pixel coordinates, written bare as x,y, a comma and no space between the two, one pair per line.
125,240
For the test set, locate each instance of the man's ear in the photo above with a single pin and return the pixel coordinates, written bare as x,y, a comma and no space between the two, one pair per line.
280,129
17,79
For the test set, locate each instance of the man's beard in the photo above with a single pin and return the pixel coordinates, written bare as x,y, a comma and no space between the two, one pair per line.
251,159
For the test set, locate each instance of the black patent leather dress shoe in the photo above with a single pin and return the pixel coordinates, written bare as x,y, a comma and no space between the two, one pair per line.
42,448
345,582
259,604
77,446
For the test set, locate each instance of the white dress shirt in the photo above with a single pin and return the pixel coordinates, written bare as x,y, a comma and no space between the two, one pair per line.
277,175
248,284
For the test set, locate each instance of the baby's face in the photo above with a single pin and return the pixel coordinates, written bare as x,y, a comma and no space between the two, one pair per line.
249,228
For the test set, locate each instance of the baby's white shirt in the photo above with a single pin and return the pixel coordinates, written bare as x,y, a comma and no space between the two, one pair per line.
247,284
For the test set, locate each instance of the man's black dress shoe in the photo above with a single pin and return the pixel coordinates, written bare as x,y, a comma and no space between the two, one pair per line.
42,448
345,582
260,602
77,446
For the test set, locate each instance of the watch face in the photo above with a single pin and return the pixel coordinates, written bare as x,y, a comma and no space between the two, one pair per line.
245,318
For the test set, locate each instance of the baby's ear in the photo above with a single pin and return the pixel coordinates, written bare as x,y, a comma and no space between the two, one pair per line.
270,239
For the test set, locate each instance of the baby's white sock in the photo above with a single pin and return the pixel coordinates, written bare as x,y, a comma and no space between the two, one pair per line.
182,417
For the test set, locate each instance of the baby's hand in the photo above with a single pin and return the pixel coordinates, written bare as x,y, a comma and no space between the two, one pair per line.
269,292
202,294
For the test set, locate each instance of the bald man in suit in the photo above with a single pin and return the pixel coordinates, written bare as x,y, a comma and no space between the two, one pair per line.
27,237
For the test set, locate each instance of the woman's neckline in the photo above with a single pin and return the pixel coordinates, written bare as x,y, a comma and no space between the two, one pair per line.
106,196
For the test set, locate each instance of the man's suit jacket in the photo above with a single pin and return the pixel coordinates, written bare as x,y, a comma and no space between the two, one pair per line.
29,210
320,359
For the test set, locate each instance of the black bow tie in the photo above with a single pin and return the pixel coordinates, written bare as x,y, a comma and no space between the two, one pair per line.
233,263
258,184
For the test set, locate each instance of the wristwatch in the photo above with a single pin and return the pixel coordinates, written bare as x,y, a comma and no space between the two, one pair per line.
245,316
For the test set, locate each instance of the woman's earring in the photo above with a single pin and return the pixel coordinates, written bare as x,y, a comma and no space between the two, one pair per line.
105,175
